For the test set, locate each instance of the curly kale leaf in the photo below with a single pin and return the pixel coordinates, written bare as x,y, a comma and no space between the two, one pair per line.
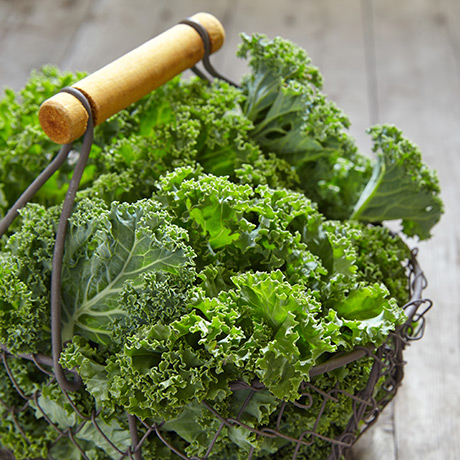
184,122
169,299
324,415
298,335
335,182
295,120
290,115
272,61
194,358
235,228
25,274
401,186
110,251
167,367
198,425
381,257
25,150
23,429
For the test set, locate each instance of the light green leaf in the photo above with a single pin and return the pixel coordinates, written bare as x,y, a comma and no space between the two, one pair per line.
117,246
401,186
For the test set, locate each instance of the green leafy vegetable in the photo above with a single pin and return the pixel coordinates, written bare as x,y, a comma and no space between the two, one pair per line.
112,255
222,237
401,186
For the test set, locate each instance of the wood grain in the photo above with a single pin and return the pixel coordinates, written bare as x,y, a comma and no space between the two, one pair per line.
36,33
117,27
418,88
129,78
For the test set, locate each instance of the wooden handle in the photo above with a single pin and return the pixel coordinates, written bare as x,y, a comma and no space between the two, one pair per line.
128,79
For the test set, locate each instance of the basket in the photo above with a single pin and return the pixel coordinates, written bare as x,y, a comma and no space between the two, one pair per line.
384,380
317,400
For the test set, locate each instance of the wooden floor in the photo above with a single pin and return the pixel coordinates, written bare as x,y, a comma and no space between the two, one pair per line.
384,61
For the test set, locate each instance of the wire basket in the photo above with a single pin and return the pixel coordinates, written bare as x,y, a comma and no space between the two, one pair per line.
318,398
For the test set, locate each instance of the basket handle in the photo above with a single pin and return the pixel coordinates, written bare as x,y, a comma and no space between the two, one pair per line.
129,78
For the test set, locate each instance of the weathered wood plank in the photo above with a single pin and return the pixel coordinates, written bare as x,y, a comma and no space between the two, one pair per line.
37,33
6,11
84,35
418,87
378,443
450,16
112,29
115,27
